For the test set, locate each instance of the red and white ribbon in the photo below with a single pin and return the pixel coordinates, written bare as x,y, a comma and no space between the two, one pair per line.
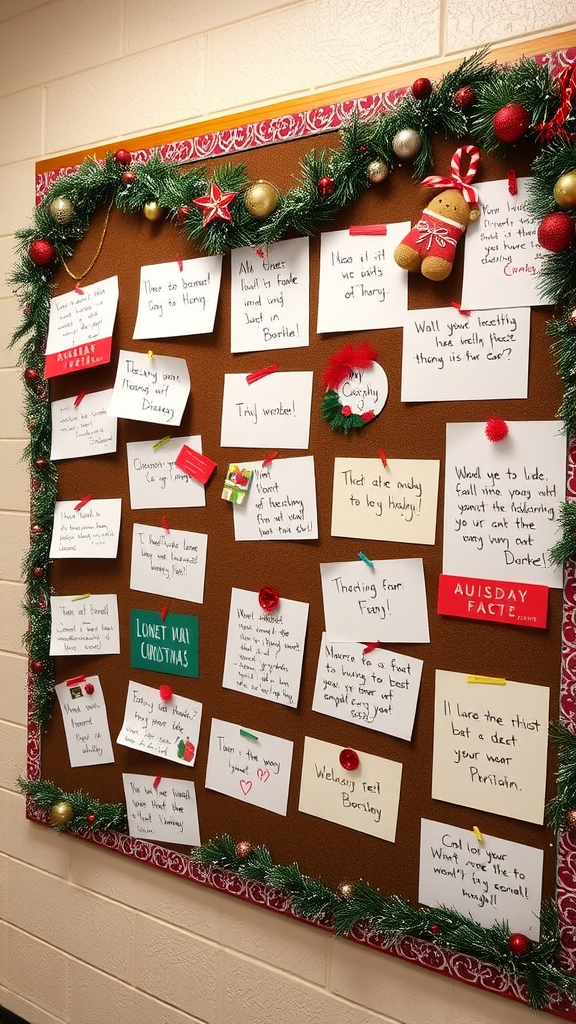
431,233
456,180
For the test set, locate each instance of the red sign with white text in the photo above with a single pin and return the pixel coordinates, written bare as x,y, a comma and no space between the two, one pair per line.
517,604
79,357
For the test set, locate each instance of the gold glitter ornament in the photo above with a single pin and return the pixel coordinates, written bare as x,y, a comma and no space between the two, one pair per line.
377,171
565,191
61,813
61,210
152,210
261,199
243,848
345,891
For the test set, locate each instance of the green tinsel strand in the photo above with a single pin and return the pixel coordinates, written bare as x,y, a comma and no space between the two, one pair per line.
220,852
256,865
565,798
309,897
565,548
46,794
363,905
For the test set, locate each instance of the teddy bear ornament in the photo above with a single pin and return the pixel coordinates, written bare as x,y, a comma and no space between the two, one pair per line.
430,246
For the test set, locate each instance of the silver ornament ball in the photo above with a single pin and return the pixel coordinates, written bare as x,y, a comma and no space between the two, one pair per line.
407,144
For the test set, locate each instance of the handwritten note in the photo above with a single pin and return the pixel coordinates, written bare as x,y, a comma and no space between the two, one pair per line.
155,480
502,255
281,502
174,302
168,645
152,390
492,881
249,765
394,502
386,603
273,412
83,430
264,650
361,287
167,813
365,799
170,564
167,729
85,722
91,532
270,297
502,500
86,626
80,328
378,690
447,357
490,745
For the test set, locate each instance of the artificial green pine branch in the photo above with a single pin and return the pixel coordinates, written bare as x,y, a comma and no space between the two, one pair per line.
106,816
565,548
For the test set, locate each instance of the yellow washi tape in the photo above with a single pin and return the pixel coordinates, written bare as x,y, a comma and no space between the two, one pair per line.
491,680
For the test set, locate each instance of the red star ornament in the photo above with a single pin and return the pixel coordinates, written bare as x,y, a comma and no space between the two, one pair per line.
215,204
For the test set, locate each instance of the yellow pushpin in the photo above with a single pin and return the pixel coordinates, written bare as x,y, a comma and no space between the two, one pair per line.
478,834
150,354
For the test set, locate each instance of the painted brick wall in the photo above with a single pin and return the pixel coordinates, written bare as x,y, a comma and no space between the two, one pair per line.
86,937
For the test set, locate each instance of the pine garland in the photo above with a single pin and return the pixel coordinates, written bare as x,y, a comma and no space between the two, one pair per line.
88,813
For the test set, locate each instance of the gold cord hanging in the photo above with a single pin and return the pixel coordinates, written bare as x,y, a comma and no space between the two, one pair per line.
80,277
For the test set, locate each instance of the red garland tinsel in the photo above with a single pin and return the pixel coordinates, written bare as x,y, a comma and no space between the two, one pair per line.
350,357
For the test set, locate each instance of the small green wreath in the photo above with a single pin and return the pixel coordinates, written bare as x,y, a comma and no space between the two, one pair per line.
343,367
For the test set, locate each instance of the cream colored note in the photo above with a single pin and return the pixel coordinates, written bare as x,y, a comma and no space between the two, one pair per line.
395,502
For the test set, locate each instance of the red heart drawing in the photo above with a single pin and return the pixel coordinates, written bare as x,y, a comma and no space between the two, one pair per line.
263,774
245,786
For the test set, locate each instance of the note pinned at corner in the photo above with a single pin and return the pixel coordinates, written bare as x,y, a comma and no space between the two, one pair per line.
269,297
249,765
155,479
386,603
85,722
281,502
273,412
166,812
396,502
92,531
151,390
176,301
79,431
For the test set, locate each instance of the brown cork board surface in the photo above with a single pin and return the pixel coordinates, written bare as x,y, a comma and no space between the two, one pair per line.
404,431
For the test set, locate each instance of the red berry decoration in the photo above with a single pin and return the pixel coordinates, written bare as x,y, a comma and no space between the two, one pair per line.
519,944
36,529
556,232
30,375
268,599
89,688
128,177
37,666
122,156
346,410
510,123
41,463
464,97
183,212
326,187
421,88
38,572
495,429
41,252
166,692
91,819
349,759
435,929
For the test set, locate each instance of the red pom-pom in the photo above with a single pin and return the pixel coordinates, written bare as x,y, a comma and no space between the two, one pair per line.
326,187
496,430
166,692
464,97
510,123
519,944
89,688
268,599
556,232
122,156
128,177
41,252
351,357
421,88
349,759
367,416
346,410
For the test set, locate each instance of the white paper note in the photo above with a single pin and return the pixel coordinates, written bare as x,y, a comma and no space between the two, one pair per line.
155,482
151,390
365,799
386,603
395,502
281,502
85,722
361,287
490,745
166,813
378,690
174,302
170,564
502,500
491,881
85,626
269,297
249,765
264,650
502,255
83,430
273,412
167,729
91,532
447,357
80,328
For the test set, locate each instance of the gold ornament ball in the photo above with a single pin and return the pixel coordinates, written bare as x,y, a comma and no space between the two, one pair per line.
572,318
61,210
345,891
407,144
565,191
152,210
376,171
243,848
571,817
261,199
61,813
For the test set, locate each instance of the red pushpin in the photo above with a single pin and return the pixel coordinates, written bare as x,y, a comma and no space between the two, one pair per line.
349,759
496,429
268,599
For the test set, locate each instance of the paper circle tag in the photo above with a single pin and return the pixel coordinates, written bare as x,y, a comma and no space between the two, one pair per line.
364,390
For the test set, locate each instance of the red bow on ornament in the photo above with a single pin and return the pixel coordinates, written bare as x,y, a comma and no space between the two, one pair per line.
456,180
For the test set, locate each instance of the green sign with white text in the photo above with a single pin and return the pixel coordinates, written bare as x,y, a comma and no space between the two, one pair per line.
169,646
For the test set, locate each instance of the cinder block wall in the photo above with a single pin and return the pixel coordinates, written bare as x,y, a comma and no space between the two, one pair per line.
87,937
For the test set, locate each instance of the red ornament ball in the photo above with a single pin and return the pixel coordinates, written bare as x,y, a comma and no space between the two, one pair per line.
519,944
556,232
89,688
128,177
268,599
91,819
510,123
38,572
496,429
122,156
349,759
41,463
166,692
37,666
243,848
421,88
41,252
435,929
326,187
182,212
464,97
36,529
31,375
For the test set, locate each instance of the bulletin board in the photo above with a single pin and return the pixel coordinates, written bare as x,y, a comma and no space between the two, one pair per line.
329,858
